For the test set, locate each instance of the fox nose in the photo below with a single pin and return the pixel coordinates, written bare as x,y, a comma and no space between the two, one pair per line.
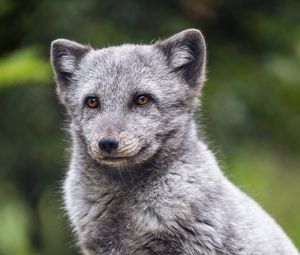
108,144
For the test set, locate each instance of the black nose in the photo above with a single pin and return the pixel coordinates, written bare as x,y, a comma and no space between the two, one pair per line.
108,144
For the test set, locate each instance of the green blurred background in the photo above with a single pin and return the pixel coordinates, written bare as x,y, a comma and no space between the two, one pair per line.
250,111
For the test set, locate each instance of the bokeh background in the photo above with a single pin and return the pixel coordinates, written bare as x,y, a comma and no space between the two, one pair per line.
250,111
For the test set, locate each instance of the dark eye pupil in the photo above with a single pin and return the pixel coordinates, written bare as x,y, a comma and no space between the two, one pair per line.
92,102
142,100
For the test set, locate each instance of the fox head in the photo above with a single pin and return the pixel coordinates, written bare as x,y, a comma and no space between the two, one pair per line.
128,103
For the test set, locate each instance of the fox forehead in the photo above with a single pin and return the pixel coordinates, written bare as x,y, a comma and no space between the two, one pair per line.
123,61
123,70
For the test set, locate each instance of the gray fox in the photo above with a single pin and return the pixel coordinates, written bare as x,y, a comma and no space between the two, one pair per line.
140,179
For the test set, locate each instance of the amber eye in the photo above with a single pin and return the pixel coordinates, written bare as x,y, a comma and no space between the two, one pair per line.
92,102
142,100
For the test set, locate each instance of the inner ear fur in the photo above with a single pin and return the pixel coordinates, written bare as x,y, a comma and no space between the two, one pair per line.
186,54
65,57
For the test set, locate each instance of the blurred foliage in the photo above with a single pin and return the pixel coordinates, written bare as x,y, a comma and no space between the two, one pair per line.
23,66
250,111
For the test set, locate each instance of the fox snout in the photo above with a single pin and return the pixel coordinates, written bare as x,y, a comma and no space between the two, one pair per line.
116,148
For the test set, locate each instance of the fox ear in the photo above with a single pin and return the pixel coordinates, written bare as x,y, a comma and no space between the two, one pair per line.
65,56
186,54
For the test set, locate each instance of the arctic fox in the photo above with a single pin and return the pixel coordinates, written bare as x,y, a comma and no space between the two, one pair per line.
141,180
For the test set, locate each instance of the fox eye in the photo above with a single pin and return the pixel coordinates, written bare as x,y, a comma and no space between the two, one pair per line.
142,100
92,102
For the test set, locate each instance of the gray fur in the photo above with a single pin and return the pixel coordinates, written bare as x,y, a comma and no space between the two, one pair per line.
166,194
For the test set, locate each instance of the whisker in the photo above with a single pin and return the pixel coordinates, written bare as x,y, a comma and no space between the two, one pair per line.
130,149
120,173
